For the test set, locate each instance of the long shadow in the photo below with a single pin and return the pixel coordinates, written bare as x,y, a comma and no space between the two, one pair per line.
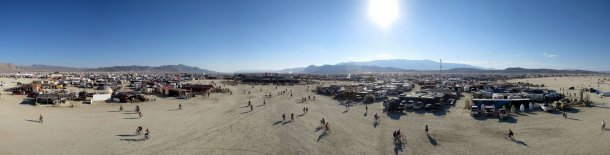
113,111
397,148
126,135
301,115
260,105
324,134
132,118
130,113
576,119
277,122
318,129
431,140
395,116
133,139
173,109
244,106
345,111
35,121
245,112
286,122
521,142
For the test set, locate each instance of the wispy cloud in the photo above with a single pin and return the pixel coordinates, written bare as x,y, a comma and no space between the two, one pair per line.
549,55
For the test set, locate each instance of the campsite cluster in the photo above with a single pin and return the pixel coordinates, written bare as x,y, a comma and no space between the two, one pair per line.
485,96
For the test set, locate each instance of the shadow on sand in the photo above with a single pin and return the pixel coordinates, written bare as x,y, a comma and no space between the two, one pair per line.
173,109
133,139
398,148
521,143
286,122
509,119
576,119
126,135
395,115
35,121
277,122
573,110
431,140
245,112
132,118
324,134
319,128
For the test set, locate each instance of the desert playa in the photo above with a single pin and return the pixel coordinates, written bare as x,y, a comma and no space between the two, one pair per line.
224,124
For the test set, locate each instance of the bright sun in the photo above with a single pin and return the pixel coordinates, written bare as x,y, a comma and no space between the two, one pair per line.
383,12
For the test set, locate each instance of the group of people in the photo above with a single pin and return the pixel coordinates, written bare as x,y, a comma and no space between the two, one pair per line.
284,117
307,98
325,124
398,137
305,110
146,133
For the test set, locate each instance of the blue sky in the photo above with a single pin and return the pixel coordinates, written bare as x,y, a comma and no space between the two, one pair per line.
230,35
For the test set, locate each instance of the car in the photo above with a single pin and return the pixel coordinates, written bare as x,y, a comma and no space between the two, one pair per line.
474,111
502,114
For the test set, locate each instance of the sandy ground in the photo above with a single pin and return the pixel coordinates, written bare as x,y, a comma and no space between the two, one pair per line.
222,124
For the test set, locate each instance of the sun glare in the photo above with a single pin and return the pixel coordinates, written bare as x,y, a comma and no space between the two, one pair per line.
383,12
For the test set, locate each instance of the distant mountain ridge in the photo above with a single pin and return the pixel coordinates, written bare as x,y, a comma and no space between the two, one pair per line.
165,68
180,68
411,64
344,69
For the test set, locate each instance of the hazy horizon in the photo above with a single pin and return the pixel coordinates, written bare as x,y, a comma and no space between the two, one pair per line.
233,35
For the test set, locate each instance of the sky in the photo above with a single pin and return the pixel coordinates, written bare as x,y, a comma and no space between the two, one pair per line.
232,35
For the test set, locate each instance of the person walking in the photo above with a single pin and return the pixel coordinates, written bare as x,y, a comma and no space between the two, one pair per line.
120,108
251,108
603,124
426,128
40,119
284,117
140,114
565,116
291,116
147,134
366,108
179,106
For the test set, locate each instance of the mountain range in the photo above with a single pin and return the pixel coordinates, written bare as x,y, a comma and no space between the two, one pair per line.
377,66
7,67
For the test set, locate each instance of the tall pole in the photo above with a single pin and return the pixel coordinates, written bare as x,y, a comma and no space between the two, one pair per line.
441,68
